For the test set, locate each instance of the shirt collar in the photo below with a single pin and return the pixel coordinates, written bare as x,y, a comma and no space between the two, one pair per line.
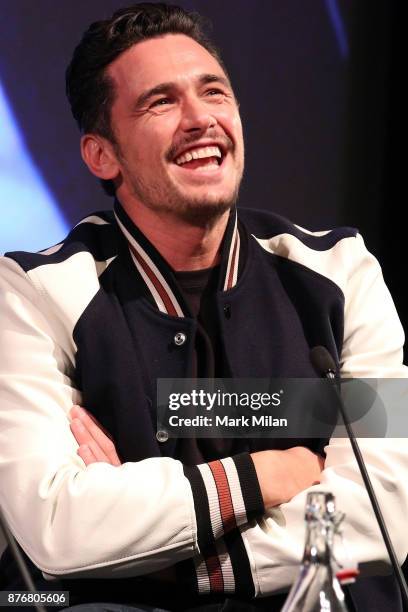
159,276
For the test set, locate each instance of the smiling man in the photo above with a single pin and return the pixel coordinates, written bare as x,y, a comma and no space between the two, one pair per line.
175,153
178,282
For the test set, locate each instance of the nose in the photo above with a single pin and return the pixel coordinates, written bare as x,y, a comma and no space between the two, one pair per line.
196,115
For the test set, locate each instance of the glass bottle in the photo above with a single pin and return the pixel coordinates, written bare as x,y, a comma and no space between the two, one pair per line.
317,589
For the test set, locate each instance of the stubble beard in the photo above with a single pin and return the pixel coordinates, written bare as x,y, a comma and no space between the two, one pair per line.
196,211
168,200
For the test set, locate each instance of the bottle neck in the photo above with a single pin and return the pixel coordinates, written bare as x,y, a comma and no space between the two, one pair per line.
319,543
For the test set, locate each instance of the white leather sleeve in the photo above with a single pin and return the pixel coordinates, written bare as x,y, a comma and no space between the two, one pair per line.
62,513
373,340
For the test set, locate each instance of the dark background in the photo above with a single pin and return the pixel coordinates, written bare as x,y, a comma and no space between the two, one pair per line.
319,87
318,84
286,67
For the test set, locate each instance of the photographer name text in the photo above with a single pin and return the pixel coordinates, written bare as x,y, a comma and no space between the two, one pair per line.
226,421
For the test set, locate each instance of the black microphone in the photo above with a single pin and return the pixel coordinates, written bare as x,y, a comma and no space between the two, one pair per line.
324,364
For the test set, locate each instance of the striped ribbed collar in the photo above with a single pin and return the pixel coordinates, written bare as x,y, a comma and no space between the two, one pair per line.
159,276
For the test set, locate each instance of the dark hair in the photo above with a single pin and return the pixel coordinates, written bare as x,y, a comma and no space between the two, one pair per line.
89,89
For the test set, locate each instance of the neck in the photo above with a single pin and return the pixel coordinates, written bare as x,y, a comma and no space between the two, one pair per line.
183,245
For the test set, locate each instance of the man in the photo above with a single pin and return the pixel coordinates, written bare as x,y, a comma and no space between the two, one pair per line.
174,284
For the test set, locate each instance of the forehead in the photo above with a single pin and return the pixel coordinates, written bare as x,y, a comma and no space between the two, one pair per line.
173,57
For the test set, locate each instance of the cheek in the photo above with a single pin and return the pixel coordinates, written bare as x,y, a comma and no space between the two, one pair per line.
231,122
237,127
142,150
154,142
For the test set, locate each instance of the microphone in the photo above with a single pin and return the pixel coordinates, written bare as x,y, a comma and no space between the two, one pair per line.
324,364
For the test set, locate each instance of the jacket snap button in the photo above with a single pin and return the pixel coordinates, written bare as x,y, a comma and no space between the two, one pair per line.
227,311
180,338
162,436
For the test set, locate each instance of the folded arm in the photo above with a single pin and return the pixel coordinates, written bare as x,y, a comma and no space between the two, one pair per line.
73,515
372,348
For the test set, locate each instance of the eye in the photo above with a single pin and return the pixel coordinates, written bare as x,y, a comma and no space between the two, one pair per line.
215,92
161,102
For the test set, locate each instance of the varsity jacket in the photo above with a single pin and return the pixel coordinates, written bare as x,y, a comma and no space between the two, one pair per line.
96,319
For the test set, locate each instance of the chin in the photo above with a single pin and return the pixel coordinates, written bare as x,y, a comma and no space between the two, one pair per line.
202,214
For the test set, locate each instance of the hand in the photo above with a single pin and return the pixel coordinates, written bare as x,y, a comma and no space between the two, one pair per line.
95,443
284,474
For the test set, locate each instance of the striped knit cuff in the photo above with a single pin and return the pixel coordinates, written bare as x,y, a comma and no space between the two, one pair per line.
226,494
224,570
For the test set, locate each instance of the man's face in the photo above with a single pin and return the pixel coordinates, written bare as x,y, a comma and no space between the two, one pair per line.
177,128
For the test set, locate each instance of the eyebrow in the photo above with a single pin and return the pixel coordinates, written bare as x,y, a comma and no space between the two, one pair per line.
162,88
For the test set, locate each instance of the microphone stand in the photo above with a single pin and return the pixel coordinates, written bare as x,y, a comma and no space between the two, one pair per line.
325,365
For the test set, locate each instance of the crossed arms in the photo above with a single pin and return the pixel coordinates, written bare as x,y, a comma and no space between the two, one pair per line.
281,474
75,514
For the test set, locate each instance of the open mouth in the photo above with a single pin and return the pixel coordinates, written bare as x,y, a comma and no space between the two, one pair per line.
209,157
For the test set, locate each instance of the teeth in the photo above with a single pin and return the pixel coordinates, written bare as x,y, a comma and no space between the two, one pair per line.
198,154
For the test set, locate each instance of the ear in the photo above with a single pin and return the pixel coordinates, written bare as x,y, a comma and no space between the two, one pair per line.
99,155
